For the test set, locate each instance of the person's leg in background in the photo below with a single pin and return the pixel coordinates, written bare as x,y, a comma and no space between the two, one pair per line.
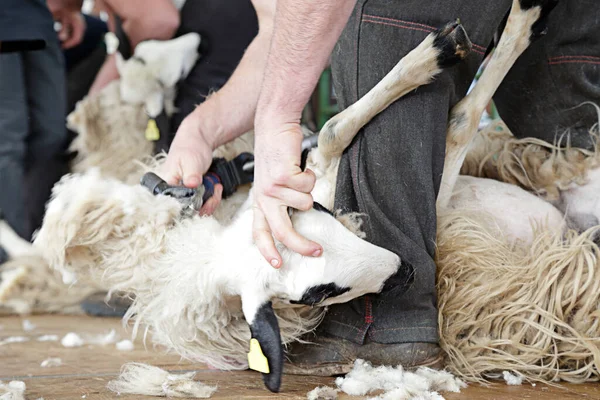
226,28
46,97
392,173
14,128
557,73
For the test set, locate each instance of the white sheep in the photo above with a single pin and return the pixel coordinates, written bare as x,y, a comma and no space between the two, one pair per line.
202,287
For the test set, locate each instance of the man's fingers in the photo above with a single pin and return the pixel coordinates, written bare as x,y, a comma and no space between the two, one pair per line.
282,229
303,182
263,239
292,198
211,204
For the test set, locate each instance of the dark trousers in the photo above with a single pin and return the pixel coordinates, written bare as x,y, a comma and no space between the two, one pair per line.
226,28
32,129
392,170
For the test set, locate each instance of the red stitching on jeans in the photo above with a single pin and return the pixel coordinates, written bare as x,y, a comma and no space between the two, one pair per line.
574,62
368,311
563,57
412,28
399,20
479,47
396,25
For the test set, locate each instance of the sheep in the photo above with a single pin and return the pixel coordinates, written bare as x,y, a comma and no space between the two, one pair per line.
202,287
112,124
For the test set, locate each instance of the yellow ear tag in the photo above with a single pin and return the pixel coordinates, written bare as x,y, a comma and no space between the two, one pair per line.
256,359
152,132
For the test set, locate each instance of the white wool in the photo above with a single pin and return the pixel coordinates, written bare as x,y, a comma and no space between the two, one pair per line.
103,339
512,379
72,339
28,325
323,393
48,338
51,362
14,339
125,345
398,384
14,390
144,379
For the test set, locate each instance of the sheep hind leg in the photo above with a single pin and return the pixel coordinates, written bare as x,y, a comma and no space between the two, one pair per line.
439,50
526,22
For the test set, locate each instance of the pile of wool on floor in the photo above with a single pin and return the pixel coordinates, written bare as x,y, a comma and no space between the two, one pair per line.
532,310
394,382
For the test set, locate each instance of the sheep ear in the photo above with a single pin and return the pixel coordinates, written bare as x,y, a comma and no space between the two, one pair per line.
266,350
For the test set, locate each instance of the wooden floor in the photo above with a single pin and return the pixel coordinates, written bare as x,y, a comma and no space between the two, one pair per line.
86,370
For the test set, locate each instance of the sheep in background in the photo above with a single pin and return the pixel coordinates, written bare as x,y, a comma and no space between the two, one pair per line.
111,124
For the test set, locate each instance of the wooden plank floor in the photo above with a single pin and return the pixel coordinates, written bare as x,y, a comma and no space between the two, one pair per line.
86,370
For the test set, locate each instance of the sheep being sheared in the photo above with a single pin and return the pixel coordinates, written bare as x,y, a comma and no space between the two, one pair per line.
189,274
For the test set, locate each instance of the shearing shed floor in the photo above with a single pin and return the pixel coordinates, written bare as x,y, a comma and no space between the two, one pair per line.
84,371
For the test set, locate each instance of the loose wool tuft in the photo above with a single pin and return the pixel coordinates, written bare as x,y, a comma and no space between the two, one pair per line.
144,379
322,393
528,309
512,380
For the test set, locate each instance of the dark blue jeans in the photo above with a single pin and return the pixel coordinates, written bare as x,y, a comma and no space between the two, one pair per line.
32,127
392,170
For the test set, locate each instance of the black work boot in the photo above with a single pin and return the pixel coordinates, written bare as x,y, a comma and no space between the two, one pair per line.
330,356
97,306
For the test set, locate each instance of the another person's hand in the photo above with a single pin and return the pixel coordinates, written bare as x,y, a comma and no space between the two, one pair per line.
190,156
72,28
279,183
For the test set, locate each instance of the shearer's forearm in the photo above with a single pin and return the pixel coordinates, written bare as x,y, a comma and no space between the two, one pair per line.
229,113
303,39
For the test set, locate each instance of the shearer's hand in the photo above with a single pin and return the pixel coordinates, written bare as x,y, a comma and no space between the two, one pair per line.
279,183
190,156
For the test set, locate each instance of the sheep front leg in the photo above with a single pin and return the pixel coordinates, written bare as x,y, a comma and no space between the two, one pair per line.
526,22
439,50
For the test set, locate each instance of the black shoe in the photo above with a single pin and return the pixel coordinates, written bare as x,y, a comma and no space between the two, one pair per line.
97,306
330,356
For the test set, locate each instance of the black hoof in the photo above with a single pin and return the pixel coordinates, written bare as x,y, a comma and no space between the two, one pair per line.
453,44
